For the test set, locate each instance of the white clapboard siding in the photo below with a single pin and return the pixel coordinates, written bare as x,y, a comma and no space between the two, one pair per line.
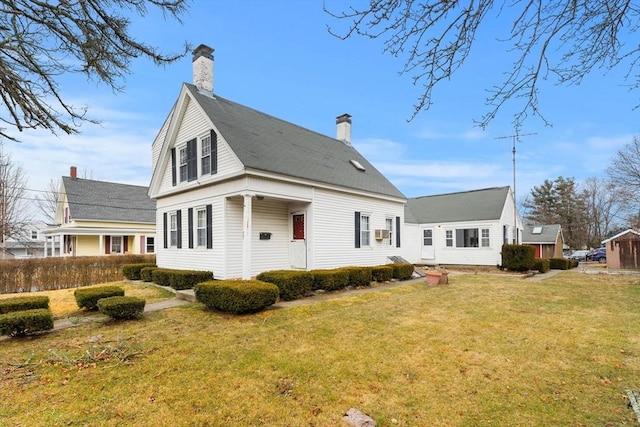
334,229
270,216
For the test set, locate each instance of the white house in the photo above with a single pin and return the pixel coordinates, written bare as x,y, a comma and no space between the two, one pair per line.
240,192
461,228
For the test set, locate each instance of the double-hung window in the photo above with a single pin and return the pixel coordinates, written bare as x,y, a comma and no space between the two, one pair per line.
183,163
150,245
205,155
365,232
173,229
116,244
484,241
201,227
389,226
448,237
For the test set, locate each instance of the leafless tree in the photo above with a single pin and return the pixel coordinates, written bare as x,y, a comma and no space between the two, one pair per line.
606,206
557,39
40,41
47,201
624,169
15,219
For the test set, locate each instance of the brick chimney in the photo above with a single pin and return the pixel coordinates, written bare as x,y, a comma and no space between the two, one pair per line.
73,172
203,68
343,128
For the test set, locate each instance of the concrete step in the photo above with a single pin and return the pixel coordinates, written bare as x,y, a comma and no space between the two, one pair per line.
187,295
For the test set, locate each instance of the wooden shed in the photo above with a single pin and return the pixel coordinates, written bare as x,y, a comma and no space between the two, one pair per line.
623,250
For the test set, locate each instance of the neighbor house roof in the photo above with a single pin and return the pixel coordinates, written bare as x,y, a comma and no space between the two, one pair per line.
476,205
617,236
91,200
265,143
541,234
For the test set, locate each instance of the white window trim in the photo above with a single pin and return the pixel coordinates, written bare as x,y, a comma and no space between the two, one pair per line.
389,224
364,215
202,228
173,232
203,156
182,149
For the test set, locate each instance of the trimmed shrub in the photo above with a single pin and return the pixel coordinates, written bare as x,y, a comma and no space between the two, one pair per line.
146,274
543,265
20,323
402,271
518,257
562,263
292,284
382,273
121,308
330,280
132,271
88,297
9,305
160,276
359,276
237,296
187,279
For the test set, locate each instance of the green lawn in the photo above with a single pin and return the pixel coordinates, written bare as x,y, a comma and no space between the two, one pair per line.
483,350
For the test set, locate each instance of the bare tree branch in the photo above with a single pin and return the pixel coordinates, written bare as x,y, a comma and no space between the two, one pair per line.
548,39
40,41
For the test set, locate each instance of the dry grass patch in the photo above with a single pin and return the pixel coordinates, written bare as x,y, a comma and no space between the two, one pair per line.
63,303
484,350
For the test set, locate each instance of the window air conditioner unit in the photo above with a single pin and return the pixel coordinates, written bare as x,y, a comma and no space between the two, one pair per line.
381,233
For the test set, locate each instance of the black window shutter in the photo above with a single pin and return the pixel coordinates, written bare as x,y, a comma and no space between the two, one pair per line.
164,229
214,153
357,228
190,224
209,226
397,232
173,168
107,244
179,226
192,160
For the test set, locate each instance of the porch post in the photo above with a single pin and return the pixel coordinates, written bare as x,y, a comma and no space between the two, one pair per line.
100,245
246,237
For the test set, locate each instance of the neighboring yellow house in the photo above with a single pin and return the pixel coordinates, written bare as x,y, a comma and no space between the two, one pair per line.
97,218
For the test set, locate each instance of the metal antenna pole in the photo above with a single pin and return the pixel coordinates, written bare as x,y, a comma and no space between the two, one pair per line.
513,151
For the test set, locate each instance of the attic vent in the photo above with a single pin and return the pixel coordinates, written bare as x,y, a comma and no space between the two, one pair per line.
356,164
537,230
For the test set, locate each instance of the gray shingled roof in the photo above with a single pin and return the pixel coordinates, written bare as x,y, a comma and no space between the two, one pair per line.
108,201
266,143
548,235
477,205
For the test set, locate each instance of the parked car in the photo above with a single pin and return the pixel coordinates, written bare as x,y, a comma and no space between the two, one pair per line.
599,254
580,255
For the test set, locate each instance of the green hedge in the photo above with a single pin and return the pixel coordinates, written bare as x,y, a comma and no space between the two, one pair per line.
88,297
359,276
180,279
121,307
237,296
562,263
9,305
20,323
382,273
292,284
132,271
330,280
518,257
543,265
146,274
402,271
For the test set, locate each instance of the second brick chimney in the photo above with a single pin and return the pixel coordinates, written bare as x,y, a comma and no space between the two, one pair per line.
73,172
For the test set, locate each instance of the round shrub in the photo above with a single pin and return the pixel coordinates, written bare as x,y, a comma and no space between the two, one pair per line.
23,303
88,297
121,307
292,284
236,296
330,280
358,276
402,271
146,274
20,323
382,273
132,271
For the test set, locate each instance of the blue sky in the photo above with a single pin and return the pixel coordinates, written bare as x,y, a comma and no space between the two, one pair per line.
278,57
